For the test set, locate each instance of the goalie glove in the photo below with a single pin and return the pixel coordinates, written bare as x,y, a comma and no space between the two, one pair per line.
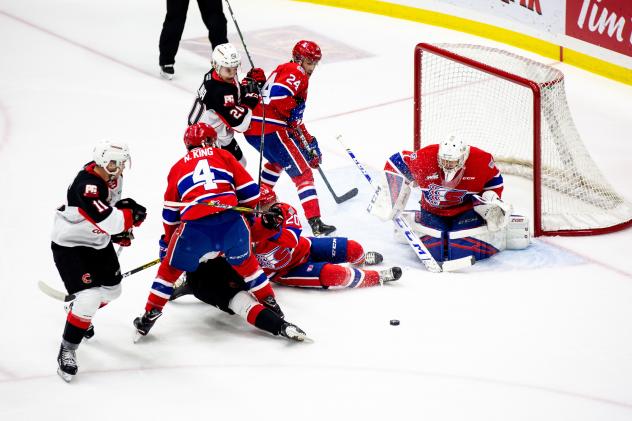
494,211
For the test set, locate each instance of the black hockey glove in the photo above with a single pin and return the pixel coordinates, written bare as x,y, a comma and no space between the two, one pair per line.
273,219
270,302
123,239
139,212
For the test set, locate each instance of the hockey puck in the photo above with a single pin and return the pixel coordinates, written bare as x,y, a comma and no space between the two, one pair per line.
394,322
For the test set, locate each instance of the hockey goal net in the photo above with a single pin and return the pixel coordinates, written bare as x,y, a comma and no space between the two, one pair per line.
516,109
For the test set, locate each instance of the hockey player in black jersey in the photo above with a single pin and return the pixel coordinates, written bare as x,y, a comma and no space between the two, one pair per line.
93,217
216,283
223,103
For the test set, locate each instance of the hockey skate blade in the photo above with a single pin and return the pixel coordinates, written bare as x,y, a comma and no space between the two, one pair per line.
65,376
458,264
137,336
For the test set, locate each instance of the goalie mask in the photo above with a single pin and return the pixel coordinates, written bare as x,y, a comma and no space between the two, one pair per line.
111,156
199,135
225,55
452,156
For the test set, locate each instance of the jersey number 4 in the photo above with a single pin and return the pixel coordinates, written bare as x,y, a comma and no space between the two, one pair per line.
203,174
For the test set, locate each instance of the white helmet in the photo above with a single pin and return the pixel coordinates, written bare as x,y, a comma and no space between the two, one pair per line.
107,151
452,156
225,55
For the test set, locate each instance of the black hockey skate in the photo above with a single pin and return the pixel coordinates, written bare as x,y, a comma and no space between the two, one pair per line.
144,323
67,363
181,290
293,332
167,71
373,258
319,228
390,274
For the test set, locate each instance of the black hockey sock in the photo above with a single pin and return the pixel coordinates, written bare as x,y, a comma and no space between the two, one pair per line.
73,334
269,321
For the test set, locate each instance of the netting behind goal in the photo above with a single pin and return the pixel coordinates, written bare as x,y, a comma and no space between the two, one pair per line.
516,109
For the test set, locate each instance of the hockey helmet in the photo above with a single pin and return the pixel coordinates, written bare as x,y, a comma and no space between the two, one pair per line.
199,134
111,156
267,197
452,156
306,49
225,55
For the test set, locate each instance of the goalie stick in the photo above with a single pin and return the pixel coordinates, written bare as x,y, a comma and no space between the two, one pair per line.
61,296
338,199
421,251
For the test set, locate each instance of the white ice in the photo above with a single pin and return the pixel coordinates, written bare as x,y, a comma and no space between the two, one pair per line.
538,334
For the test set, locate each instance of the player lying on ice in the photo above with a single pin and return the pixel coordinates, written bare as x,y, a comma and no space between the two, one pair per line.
293,260
202,187
462,213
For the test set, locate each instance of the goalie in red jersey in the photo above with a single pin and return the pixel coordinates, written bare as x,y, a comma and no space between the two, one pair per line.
287,145
462,213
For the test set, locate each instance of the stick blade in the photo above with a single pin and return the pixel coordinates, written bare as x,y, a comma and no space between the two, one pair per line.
458,264
348,195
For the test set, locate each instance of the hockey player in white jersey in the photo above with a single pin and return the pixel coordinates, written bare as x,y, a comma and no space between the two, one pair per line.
93,217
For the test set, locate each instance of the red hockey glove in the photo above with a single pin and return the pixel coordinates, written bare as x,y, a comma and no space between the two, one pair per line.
258,75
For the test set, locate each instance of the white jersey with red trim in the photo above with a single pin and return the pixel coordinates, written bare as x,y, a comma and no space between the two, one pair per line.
88,218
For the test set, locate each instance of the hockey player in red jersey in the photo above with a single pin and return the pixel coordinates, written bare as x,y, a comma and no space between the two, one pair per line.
287,143
462,213
93,217
223,103
202,187
293,260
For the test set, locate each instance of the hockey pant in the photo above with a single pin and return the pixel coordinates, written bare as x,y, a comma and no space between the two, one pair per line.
282,153
442,247
216,283
225,232
322,271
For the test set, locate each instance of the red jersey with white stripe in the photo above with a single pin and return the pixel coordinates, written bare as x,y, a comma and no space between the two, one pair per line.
444,198
278,252
206,175
284,96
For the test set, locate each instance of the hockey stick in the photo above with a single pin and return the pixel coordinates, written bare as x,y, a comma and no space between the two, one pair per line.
214,204
263,105
338,199
402,225
61,296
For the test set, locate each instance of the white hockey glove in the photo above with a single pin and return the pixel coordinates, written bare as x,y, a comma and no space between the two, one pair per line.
493,210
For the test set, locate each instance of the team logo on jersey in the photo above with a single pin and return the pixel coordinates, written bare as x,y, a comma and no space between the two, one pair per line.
229,101
86,278
276,258
492,164
441,196
91,191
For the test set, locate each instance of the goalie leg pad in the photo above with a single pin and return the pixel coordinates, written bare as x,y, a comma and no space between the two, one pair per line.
479,242
518,234
390,197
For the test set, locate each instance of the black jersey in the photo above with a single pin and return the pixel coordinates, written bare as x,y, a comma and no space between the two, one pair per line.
88,217
218,104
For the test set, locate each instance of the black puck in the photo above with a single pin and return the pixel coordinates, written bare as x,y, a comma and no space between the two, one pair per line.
394,322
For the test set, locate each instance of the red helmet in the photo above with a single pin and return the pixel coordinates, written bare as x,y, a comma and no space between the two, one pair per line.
267,196
306,49
198,134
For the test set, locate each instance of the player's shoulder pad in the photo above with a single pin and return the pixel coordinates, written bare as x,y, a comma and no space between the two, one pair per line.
90,185
480,157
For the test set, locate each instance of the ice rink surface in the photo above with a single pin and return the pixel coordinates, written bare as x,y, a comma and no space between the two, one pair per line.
540,334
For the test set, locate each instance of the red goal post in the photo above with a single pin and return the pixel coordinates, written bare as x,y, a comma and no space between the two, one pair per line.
516,109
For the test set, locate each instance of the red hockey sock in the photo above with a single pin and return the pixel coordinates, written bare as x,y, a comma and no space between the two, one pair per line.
162,287
355,253
333,275
307,194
